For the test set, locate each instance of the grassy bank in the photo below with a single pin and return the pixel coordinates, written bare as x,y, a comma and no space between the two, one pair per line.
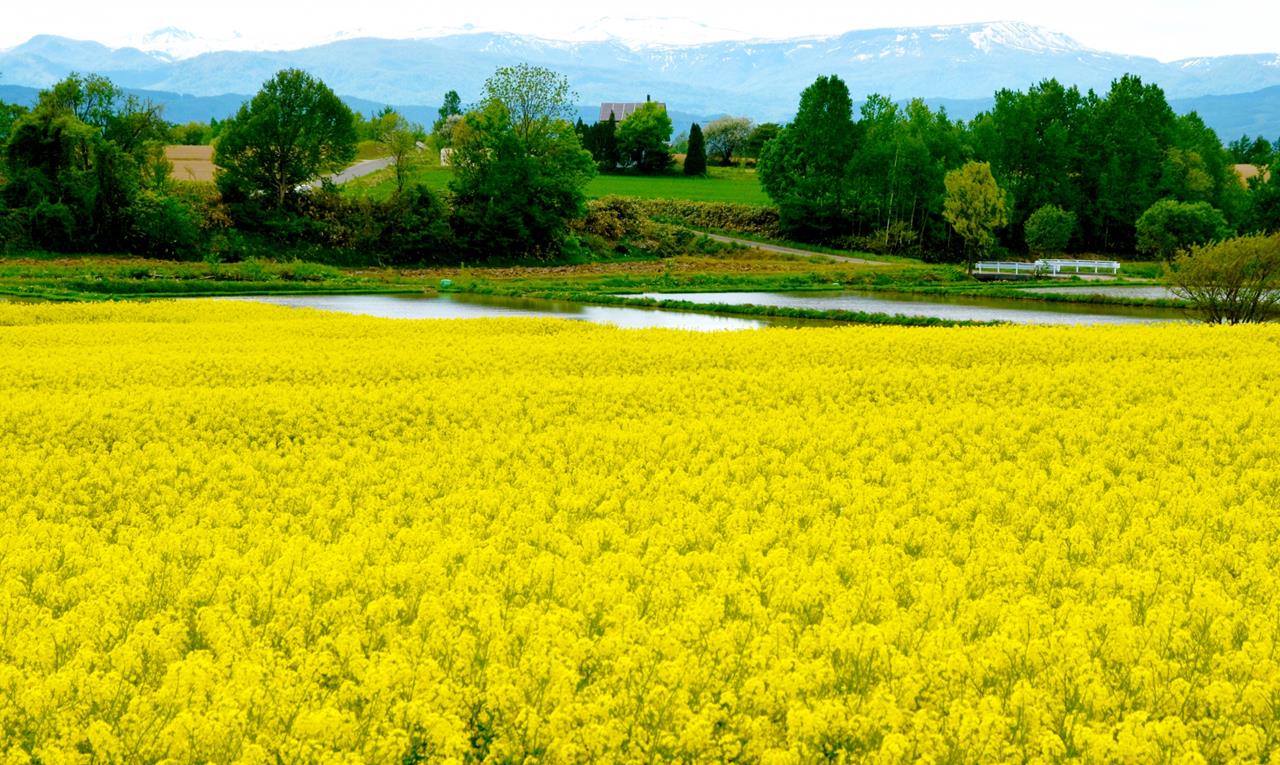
97,278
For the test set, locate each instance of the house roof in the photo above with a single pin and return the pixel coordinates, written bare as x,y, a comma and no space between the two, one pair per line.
621,109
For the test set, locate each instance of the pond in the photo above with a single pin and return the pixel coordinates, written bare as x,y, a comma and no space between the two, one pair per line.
1144,293
459,306
955,307
469,306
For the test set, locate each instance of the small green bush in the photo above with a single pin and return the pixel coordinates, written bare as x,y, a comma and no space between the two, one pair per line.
1049,230
1169,227
164,227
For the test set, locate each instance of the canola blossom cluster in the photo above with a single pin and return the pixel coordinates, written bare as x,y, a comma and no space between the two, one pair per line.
233,533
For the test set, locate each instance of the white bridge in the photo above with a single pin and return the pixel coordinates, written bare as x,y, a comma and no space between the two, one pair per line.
1048,267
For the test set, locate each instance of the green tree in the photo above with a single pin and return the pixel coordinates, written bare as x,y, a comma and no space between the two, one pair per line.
518,183
761,135
537,99
1049,230
447,119
1131,133
726,136
1035,142
79,182
9,114
400,140
192,134
803,169
1169,227
695,159
452,105
89,98
1230,282
294,130
975,207
1264,198
601,139
606,151
1251,151
643,138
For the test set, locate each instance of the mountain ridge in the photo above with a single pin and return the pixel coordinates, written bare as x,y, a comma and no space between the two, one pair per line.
759,78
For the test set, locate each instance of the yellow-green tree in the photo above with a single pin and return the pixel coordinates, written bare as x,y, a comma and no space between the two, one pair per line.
975,207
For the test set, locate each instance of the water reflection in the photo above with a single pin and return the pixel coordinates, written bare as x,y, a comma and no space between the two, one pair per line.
460,306
954,307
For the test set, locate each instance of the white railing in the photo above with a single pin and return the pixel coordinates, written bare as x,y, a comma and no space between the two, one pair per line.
1048,267
1078,266
1004,267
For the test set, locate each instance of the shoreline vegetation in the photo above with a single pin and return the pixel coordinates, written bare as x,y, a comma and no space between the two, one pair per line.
98,278
529,203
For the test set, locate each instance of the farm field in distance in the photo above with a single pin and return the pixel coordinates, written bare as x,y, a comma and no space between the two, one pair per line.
245,533
722,184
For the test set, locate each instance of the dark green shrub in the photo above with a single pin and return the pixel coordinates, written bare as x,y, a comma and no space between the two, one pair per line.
53,227
1049,230
164,227
415,227
1169,227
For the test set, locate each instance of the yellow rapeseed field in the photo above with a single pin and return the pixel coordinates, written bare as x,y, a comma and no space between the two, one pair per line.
240,533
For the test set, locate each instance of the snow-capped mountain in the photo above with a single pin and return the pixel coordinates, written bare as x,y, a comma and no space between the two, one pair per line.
693,68
647,32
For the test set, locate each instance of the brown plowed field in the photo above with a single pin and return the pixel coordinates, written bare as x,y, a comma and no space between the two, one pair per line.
191,163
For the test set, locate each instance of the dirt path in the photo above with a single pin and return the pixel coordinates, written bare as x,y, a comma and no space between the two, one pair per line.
793,250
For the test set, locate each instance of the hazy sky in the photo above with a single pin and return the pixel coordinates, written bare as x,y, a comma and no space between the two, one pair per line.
1165,29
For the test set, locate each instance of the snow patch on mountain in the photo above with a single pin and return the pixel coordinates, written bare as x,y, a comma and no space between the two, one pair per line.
1020,36
639,33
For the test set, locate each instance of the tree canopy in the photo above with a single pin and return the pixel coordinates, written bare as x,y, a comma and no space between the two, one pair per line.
518,181
536,98
803,169
1230,282
726,136
294,130
643,138
975,206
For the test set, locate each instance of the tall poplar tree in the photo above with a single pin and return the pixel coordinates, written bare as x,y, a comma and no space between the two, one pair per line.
695,160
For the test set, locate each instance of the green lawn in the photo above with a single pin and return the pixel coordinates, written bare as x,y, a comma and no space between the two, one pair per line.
722,185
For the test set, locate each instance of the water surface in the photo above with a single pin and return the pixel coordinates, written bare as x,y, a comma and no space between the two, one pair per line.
1144,293
468,306
953,307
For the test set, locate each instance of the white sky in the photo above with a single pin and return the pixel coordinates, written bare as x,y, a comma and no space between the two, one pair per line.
1164,29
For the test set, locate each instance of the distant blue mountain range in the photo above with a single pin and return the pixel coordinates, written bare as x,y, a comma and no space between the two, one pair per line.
960,66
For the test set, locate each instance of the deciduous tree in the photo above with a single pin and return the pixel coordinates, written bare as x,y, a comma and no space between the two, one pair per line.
1230,282
400,140
294,130
518,183
1169,227
643,138
975,207
726,136
803,169
1049,230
